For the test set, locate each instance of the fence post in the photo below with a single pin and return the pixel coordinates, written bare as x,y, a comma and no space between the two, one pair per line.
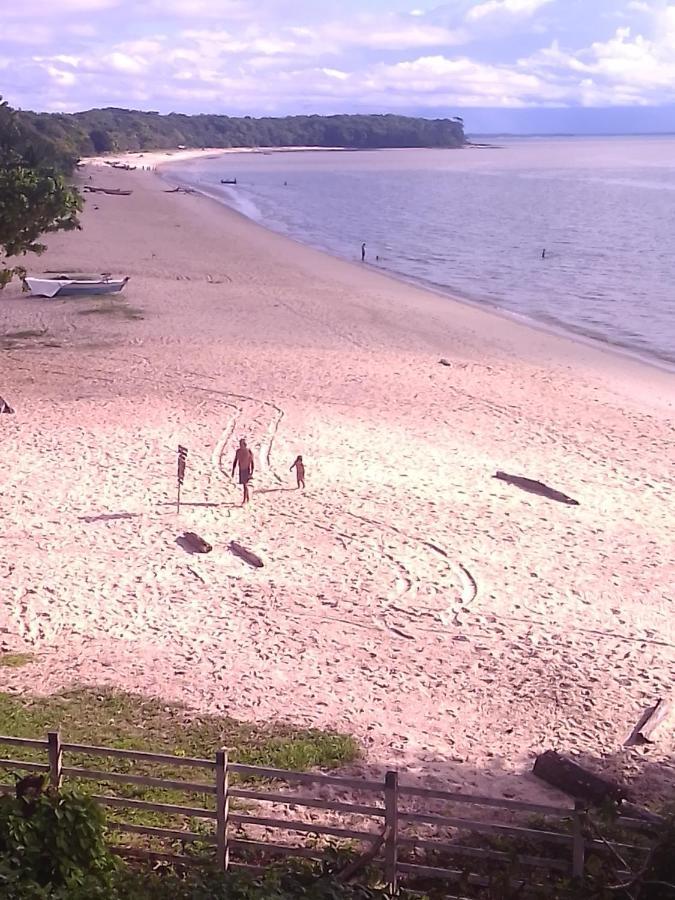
222,810
391,826
55,759
578,846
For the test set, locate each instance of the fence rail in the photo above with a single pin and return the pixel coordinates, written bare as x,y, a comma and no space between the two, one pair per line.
412,828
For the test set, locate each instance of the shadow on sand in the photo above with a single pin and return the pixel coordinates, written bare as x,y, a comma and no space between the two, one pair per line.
279,490
108,517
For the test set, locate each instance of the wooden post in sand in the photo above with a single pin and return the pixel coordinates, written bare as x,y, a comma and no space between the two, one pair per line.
391,830
578,844
222,810
182,457
55,759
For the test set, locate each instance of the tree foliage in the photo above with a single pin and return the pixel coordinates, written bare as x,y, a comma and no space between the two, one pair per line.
117,130
35,198
52,847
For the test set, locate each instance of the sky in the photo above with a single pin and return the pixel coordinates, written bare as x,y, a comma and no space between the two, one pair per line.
586,65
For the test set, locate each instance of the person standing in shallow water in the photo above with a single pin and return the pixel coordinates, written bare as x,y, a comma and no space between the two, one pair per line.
299,467
244,459
363,252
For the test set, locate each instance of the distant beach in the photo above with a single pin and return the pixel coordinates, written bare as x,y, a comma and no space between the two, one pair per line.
454,622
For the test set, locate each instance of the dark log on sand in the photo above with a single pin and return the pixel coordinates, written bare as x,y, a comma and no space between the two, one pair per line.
576,781
5,407
445,362
649,721
195,543
536,487
115,192
247,555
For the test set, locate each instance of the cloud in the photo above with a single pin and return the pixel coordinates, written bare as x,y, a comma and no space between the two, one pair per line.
56,9
625,68
512,7
397,34
296,55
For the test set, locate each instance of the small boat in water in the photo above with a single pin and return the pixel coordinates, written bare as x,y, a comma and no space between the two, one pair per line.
228,180
74,285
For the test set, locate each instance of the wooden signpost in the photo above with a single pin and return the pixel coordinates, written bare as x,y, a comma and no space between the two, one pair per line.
182,457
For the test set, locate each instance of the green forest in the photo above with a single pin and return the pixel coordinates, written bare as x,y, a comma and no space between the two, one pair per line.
66,137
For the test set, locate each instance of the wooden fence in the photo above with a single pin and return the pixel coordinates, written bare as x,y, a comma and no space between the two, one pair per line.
415,830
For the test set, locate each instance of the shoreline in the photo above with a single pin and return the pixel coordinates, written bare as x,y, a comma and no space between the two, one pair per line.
569,333
455,624
595,344
154,159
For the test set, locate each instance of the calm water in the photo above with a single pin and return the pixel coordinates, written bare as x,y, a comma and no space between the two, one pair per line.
474,222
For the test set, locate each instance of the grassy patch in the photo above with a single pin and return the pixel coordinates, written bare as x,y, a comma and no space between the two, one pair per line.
126,721
15,660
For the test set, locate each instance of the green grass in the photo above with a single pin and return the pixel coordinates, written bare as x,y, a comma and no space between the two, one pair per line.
127,721
15,660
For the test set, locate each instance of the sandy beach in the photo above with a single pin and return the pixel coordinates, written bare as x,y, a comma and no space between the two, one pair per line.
456,624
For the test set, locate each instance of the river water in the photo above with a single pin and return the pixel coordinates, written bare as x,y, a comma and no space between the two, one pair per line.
474,222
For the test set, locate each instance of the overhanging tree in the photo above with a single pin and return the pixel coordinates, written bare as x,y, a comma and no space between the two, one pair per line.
35,198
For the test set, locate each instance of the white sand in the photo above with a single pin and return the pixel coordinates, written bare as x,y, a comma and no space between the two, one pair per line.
153,159
455,624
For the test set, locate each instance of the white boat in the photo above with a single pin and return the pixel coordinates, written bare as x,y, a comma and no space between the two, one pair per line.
65,285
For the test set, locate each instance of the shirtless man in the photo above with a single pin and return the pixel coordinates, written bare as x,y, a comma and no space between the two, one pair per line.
299,467
244,459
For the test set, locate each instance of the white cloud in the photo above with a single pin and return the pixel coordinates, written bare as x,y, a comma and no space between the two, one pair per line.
61,77
625,67
197,9
57,9
398,35
513,7
461,81
281,55
336,73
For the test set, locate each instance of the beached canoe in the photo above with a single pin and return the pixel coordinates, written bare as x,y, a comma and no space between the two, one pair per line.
62,286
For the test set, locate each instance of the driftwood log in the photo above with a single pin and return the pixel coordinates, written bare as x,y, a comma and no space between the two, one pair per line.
247,555
536,487
5,407
573,779
649,721
115,192
196,543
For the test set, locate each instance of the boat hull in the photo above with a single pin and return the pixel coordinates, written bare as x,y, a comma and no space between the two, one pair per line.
53,287
110,287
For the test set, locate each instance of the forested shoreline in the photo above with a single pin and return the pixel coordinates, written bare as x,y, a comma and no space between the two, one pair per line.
64,137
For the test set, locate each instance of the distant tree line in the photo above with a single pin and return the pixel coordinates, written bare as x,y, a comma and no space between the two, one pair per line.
65,137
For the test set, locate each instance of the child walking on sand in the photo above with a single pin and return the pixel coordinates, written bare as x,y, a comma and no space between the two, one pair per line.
299,467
